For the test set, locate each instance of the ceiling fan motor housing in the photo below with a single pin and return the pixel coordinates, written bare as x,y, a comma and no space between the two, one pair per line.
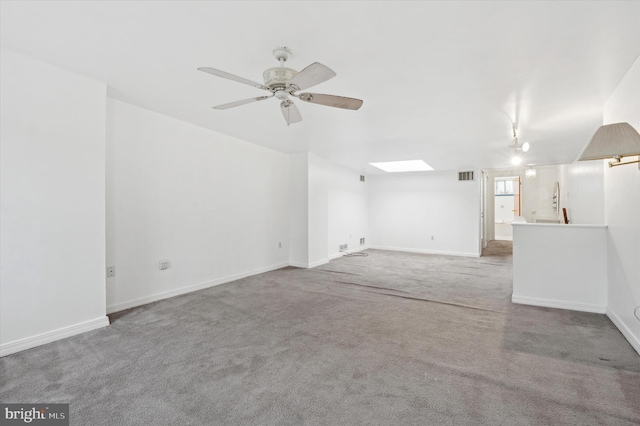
278,77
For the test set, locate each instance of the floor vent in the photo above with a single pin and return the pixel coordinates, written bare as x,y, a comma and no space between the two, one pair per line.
465,176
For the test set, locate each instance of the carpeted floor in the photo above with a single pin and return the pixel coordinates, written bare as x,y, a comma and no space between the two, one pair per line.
389,339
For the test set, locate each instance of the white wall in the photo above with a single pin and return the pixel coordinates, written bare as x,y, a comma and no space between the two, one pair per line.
622,215
328,208
214,206
348,209
584,192
560,266
299,210
537,194
407,209
318,210
52,228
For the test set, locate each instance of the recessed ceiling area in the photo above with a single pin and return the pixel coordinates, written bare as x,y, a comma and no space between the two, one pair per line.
440,80
403,166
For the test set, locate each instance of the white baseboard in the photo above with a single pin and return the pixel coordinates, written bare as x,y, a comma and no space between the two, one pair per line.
309,265
52,336
633,340
188,289
355,250
327,260
318,263
559,304
424,251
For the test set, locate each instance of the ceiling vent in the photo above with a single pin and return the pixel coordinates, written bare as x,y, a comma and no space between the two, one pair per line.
465,176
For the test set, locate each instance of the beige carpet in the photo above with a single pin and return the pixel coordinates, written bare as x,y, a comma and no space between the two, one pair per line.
389,339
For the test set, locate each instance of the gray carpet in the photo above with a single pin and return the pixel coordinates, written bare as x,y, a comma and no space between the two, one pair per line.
389,339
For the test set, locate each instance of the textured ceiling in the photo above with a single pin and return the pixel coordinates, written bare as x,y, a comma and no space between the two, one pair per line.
441,81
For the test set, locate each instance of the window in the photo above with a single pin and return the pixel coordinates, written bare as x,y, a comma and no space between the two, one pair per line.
504,187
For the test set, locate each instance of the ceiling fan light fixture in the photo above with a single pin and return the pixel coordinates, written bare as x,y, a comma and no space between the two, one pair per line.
525,147
282,95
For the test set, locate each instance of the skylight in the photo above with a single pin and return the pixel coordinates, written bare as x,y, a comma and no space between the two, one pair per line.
403,166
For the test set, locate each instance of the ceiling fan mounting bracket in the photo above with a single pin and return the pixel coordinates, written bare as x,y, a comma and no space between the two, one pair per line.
282,54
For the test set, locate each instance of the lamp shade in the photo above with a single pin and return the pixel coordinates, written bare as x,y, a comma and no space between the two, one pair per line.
612,140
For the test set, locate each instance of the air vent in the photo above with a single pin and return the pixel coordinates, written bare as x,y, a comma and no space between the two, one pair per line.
465,176
361,178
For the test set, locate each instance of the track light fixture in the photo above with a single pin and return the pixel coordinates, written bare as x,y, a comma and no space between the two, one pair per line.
519,149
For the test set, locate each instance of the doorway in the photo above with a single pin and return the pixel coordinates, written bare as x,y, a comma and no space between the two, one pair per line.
507,206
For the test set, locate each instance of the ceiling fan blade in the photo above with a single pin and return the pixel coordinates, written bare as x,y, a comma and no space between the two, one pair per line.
290,112
315,73
233,77
331,100
242,102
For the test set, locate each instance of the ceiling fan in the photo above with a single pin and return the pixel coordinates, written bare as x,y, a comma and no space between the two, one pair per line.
284,83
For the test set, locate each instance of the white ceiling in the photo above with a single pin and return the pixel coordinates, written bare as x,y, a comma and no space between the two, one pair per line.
441,81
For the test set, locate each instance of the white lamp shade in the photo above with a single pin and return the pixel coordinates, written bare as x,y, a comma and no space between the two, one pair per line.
612,140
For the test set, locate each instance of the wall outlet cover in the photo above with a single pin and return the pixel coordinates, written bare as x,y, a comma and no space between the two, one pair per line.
163,264
111,271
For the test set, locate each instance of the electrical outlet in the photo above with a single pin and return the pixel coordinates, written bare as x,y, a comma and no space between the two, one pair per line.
362,241
279,245
164,264
343,247
433,237
111,271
